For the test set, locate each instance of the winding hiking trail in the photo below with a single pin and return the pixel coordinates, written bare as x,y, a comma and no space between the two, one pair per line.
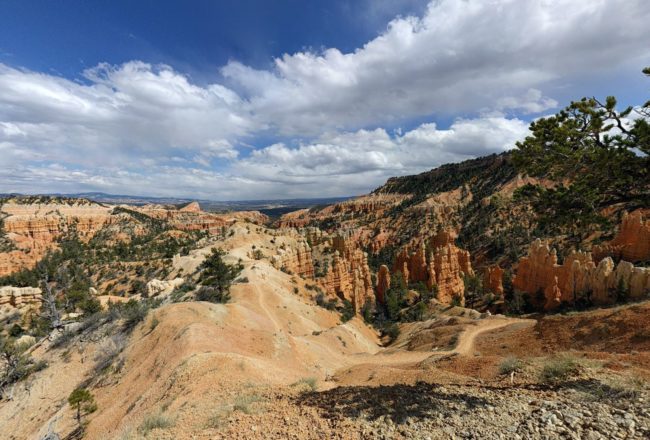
467,338
464,346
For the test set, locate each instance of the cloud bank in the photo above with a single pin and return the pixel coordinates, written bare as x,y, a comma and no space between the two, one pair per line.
488,66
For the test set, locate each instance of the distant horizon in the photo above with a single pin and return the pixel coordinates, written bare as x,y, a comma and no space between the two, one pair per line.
85,194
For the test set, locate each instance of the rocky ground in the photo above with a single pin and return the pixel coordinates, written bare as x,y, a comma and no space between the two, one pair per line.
577,410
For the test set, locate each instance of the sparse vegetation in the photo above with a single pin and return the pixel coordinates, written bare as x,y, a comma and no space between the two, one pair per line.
15,364
347,312
156,421
107,353
391,330
311,383
83,402
605,151
244,403
510,365
558,369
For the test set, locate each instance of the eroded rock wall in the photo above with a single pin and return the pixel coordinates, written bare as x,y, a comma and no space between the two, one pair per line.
36,227
383,283
578,278
443,265
632,243
19,299
493,280
296,259
349,276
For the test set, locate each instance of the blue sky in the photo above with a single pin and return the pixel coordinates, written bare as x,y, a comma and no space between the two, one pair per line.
257,99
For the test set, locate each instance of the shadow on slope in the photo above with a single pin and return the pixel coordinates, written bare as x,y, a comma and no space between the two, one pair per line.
397,402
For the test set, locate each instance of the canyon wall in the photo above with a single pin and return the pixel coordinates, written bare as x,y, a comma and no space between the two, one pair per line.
349,276
493,280
632,243
192,218
295,259
35,228
579,278
19,299
441,263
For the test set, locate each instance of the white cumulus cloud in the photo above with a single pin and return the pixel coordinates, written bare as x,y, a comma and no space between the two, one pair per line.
485,65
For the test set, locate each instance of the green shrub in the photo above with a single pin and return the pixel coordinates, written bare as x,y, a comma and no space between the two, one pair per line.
212,294
391,330
83,402
322,301
187,286
15,331
133,312
16,365
310,382
156,421
368,313
347,313
559,369
90,306
510,364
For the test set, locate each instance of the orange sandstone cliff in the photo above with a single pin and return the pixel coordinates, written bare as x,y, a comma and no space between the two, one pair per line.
632,243
349,277
578,278
443,266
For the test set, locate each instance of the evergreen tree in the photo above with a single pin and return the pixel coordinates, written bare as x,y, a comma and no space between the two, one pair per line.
599,156
82,400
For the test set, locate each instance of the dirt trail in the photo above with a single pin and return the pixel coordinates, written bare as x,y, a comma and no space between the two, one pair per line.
468,336
464,347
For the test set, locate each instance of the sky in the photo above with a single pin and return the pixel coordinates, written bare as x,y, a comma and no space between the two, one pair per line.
244,99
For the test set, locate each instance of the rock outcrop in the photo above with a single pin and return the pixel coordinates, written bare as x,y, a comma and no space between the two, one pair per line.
550,284
19,299
444,266
493,280
348,276
191,207
295,259
34,228
383,283
163,287
632,243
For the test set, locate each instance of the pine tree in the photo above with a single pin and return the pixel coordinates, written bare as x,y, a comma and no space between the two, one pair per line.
81,399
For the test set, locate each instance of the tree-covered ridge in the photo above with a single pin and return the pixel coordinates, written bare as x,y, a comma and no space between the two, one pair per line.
483,171
46,199
143,250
